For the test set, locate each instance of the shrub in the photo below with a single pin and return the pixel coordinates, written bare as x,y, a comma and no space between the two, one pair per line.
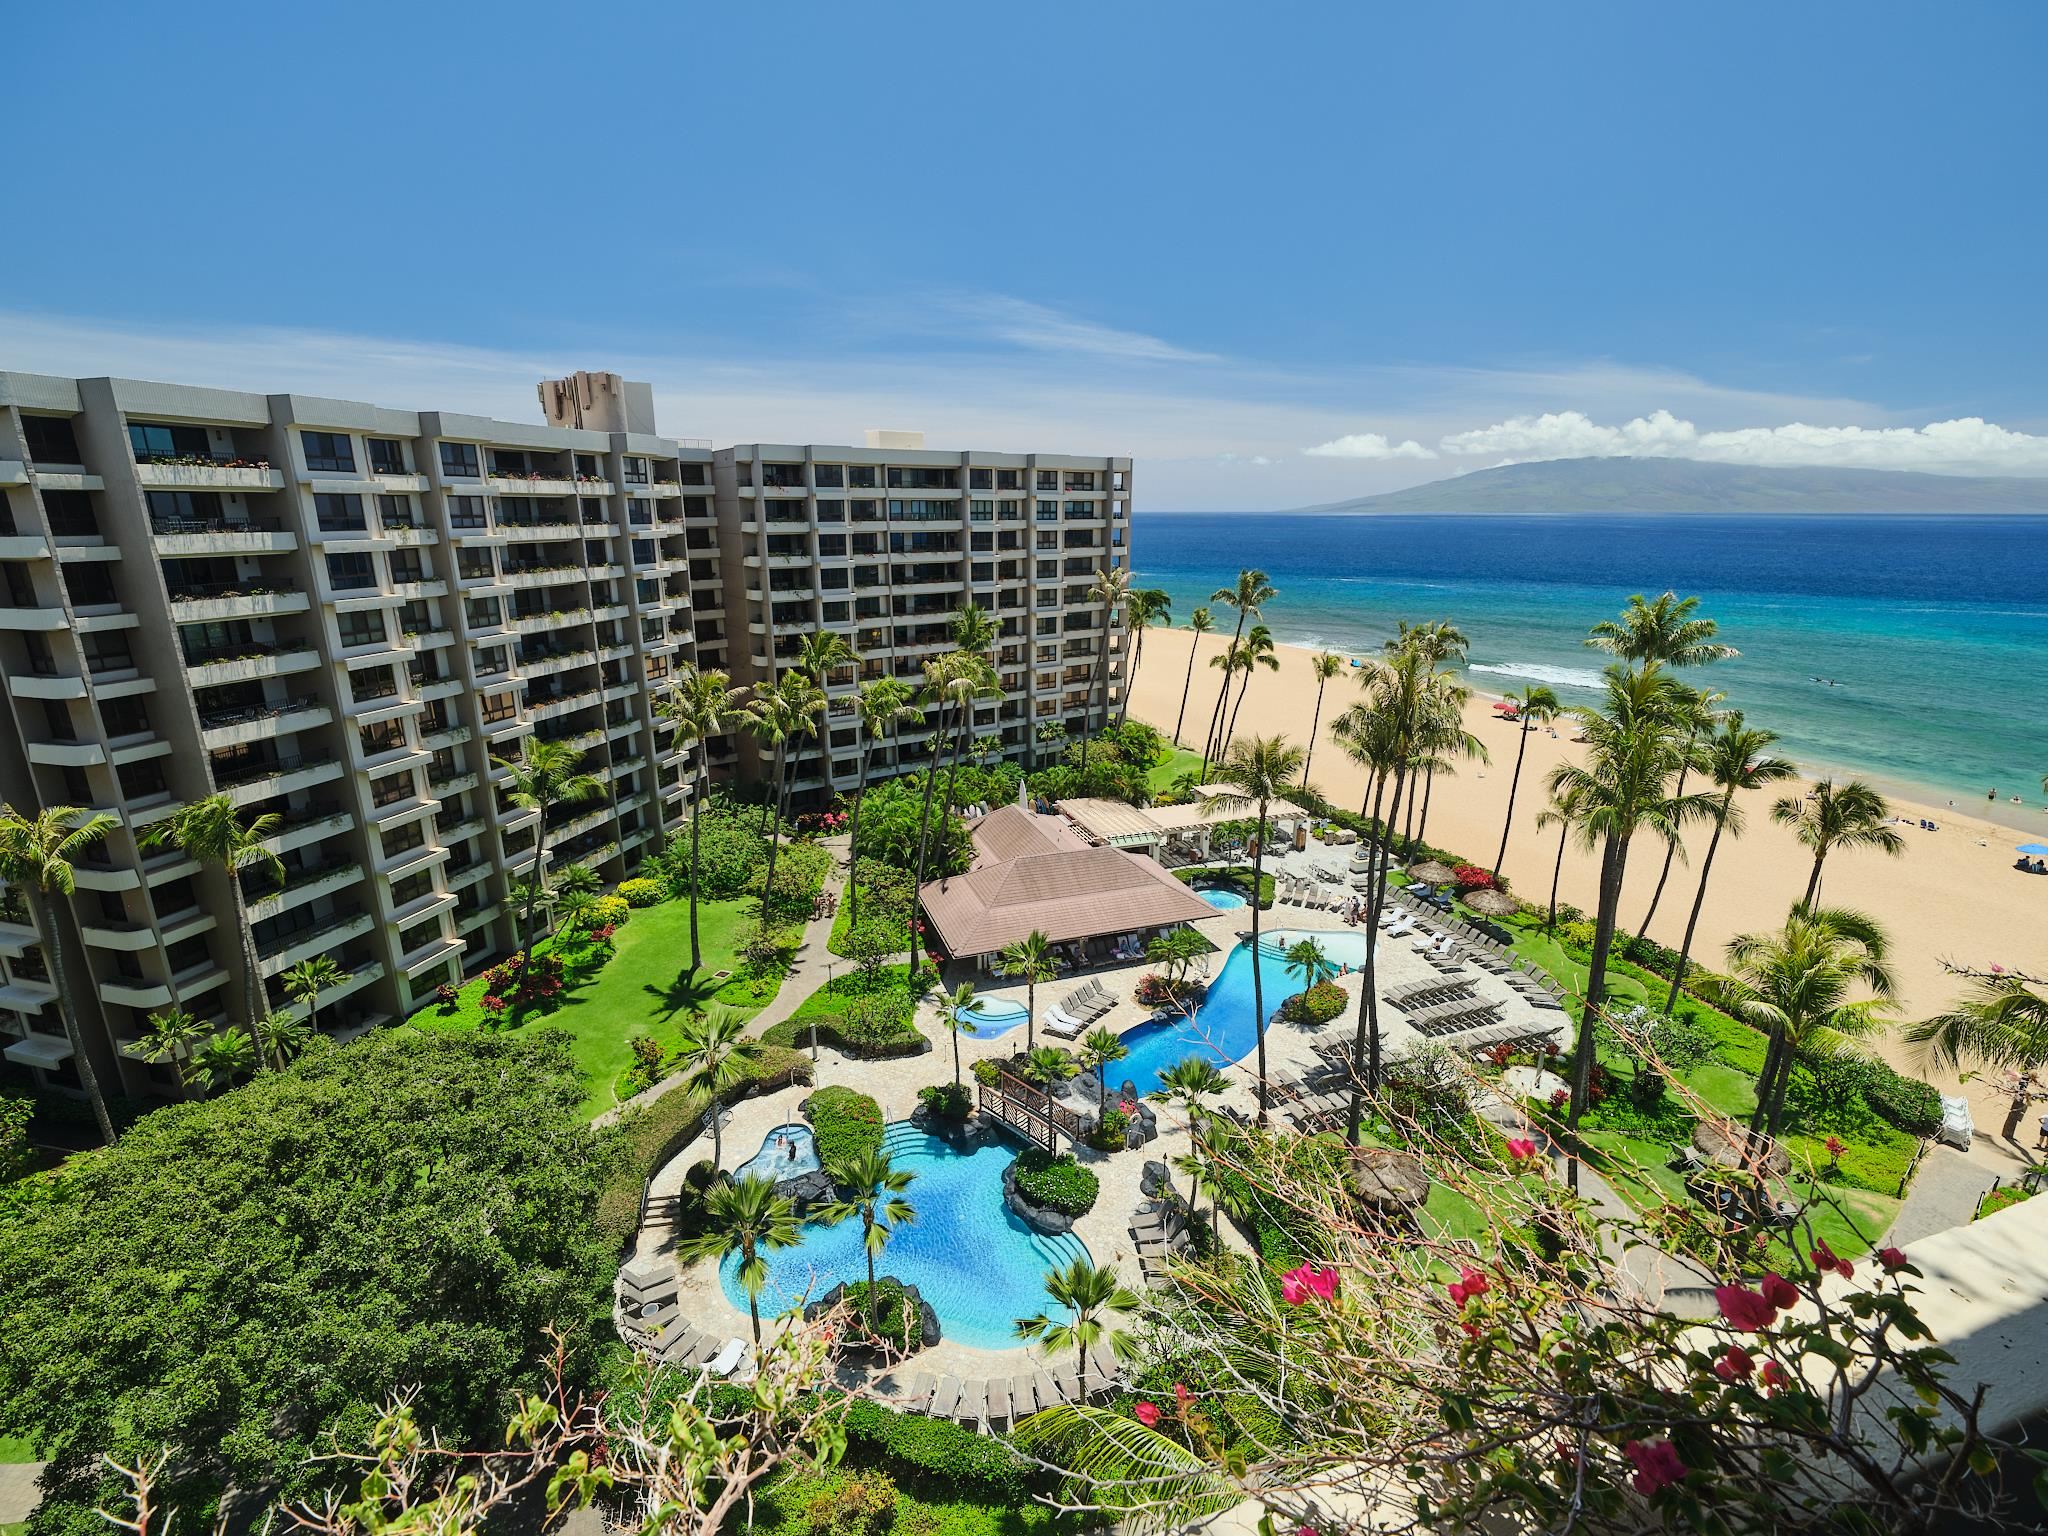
869,1013
1998,1199
1109,1132
641,892
923,1447
1471,877
889,814
986,1072
1056,1183
948,1101
609,912
849,1503
1318,1005
847,1124
885,1316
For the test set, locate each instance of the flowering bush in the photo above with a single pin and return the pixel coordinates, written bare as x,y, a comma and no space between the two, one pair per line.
609,912
447,994
513,982
1470,877
1318,1005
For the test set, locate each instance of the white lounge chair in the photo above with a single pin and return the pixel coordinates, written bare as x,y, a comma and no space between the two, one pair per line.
728,1359
1058,1023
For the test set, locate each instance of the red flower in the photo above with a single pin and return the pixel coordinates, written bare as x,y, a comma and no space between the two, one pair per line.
1304,1281
1146,1414
1824,1260
1458,1296
1775,1377
1657,1465
1521,1149
1182,1399
1891,1260
1834,1146
1473,1281
1559,1097
1745,1308
1780,1292
1738,1364
1471,1330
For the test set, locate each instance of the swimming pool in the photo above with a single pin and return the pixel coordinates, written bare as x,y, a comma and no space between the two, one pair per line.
774,1162
1222,898
1223,1028
978,1265
995,1016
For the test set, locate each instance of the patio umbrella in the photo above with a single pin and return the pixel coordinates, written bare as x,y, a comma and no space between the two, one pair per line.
1429,872
2037,848
1492,903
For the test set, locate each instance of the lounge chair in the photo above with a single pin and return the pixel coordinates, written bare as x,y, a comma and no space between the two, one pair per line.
728,1359
944,1397
1058,1023
1047,1390
920,1394
973,1405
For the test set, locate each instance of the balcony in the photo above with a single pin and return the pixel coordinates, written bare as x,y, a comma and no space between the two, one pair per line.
247,662
304,885
13,472
251,782
504,484
35,619
207,602
232,727
67,754
132,993
282,951
23,546
196,472
175,536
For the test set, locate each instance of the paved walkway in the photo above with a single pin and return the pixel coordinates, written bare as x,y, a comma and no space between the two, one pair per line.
1945,1193
19,1493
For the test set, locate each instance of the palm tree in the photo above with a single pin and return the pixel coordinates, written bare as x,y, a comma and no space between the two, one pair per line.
1260,769
1738,757
225,1057
1099,1048
1534,706
956,1010
1634,746
1851,815
36,857
1032,958
1251,592
1200,622
822,652
1441,739
1795,983
715,1055
1667,631
1257,651
546,774
1308,959
1190,1083
1046,1065
870,1188
882,704
1701,710
211,832
174,1036
750,1219
1142,609
1564,813
304,983
1326,665
1111,586
287,1035
1436,642
703,704
2001,1022
1093,1294
778,714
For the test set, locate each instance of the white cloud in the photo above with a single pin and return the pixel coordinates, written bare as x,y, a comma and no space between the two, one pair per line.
1967,445
1369,445
1039,328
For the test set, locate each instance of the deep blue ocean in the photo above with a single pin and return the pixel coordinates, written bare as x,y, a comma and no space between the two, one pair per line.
1912,650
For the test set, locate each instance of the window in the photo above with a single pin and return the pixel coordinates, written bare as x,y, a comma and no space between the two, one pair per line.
372,684
459,461
409,890
466,511
635,471
832,511
403,839
329,451
830,476
1009,479
1048,480
384,736
156,440
350,573
499,706
387,456
475,565
339,514
861,476
981,479
169,510
365,628
419,936
391,790
483,613
397,512
50,439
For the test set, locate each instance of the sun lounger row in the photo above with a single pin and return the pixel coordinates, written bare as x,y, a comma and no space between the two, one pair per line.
1306,893
980,1402
1426,994
1454,1018
1079,1009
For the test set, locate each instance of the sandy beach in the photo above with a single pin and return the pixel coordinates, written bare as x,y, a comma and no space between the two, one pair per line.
1953,895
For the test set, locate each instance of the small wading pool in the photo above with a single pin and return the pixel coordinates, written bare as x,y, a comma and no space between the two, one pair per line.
786,1151
1222,897
995,1016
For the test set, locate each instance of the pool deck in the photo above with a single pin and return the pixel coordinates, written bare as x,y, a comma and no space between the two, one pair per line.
1105,1229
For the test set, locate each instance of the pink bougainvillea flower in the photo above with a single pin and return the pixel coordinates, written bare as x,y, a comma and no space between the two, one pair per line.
1304,1281
1471,1330
1745,1308
1306,1530
1182,1398
1891,1260
1473,1281
1738,1364
1521,1149
1780,1292
1323,1282
1774,1376
1146,1414
1824,1259
1559,1097
1457,1295
1656,1463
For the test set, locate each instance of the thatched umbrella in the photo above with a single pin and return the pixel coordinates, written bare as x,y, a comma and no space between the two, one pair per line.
1728,1146
1429,872
1492,903
1389,1179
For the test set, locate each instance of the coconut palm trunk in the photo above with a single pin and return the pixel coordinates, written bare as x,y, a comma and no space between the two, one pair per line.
1698,900
44,916
1258,980
1365,1044
860,793
1813,880
774,829
1670,853
1514,783
1209,746
1187,683
1315,724
1613,868
696,825
1564,831
924,821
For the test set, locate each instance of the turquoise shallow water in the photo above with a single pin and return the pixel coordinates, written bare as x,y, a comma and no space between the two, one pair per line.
1913,650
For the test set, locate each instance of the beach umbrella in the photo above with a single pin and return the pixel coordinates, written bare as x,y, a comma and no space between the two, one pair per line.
2039,848
1429,872
1492,903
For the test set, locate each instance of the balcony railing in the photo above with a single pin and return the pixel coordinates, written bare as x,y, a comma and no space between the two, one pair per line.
248,714
249,773
278,943
213,525
207,591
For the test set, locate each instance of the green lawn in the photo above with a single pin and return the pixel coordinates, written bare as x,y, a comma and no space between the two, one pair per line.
644,989
1177,761
14,1450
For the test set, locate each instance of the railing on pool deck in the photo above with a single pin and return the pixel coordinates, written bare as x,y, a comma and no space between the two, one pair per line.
1021,1107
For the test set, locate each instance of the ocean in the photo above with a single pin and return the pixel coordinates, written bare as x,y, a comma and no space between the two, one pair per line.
1910,650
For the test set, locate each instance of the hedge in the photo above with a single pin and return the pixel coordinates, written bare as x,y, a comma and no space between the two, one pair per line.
1056,1183
916,1447
653,1133
896,1322
1320,1004
846,1124
869,1016
641,892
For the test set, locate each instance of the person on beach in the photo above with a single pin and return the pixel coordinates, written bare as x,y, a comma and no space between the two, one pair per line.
2041,1145
2021,1087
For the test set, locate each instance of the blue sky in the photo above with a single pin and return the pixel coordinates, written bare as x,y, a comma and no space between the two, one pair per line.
1417,239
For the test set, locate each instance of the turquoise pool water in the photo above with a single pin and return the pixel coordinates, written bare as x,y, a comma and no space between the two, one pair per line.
995,1016
1224,1028
1222,900
979,1266
775,1162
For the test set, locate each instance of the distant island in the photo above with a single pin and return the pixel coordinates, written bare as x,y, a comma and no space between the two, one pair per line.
1690,485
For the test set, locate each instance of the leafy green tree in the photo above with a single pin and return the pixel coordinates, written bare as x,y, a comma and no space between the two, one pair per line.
715,1055
1030,958
1174,951
1200,622
1093,1297
1851,815
1665,631
1563,813
1257,651
37,852
871,1189
2002,1021
244,1276
883,704
1247,595
1111,587
748,1218
15,1152
1534,706
778,716
1099,1048
287,1035
222,1060
703,704
545,775
304,983
175,1036
1308,959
